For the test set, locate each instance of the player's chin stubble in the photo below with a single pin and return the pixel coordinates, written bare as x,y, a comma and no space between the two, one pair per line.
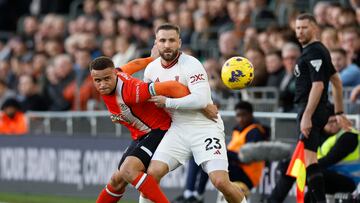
169,57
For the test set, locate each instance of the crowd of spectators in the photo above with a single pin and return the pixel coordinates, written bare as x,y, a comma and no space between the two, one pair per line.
45,63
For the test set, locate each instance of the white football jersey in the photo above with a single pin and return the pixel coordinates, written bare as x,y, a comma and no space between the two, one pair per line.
190,72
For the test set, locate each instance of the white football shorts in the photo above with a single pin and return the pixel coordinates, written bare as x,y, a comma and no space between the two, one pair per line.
206,144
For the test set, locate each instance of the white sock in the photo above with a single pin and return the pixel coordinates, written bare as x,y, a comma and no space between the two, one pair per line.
187,194
144,200
244,200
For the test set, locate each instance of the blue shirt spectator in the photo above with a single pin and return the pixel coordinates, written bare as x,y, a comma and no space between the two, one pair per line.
350,75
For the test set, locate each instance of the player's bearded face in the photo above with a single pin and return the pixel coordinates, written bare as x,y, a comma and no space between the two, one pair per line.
168,44
168,54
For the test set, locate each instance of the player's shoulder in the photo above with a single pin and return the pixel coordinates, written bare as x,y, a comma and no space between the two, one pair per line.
185,58
190,63
317,48
154,63
125,77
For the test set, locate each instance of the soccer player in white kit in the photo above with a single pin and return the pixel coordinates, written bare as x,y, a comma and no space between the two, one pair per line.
191,133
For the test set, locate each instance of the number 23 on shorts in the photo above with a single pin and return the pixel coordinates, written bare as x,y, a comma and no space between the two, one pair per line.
212,143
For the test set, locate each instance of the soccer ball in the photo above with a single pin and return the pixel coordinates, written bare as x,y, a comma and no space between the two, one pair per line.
237,73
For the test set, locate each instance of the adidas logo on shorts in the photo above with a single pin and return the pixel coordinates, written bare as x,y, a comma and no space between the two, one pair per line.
217,152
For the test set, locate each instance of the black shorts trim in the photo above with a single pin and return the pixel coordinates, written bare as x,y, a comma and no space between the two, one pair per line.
144,147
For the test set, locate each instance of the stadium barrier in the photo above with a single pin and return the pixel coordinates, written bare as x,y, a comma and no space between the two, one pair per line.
97,123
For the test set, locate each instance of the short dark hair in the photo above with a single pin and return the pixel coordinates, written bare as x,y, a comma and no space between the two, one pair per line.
307,16
101,63
338,50
168,26
243,105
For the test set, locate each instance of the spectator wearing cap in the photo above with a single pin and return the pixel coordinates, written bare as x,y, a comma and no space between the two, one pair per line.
12,119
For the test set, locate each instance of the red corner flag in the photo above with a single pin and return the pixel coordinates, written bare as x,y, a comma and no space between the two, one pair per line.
297,170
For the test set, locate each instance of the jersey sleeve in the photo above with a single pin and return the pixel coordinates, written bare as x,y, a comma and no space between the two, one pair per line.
171,89
134,90
197,82
318,66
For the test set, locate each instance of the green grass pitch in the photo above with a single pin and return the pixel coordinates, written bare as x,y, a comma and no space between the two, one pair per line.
23,198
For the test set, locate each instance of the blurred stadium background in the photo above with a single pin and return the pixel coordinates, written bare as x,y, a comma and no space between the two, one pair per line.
70,146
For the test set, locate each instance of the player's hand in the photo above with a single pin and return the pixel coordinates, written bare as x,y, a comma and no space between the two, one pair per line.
306,125
159,101
344,122
154,52
210,112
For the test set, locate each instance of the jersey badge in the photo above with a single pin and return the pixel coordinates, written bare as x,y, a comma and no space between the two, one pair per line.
316,64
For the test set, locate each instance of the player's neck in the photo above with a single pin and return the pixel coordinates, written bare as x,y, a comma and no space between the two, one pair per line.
310,42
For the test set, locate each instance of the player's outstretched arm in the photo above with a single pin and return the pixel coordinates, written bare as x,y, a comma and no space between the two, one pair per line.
136,65
171,89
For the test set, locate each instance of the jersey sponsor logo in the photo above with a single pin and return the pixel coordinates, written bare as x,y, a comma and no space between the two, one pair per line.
196,78
316,64
296,71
